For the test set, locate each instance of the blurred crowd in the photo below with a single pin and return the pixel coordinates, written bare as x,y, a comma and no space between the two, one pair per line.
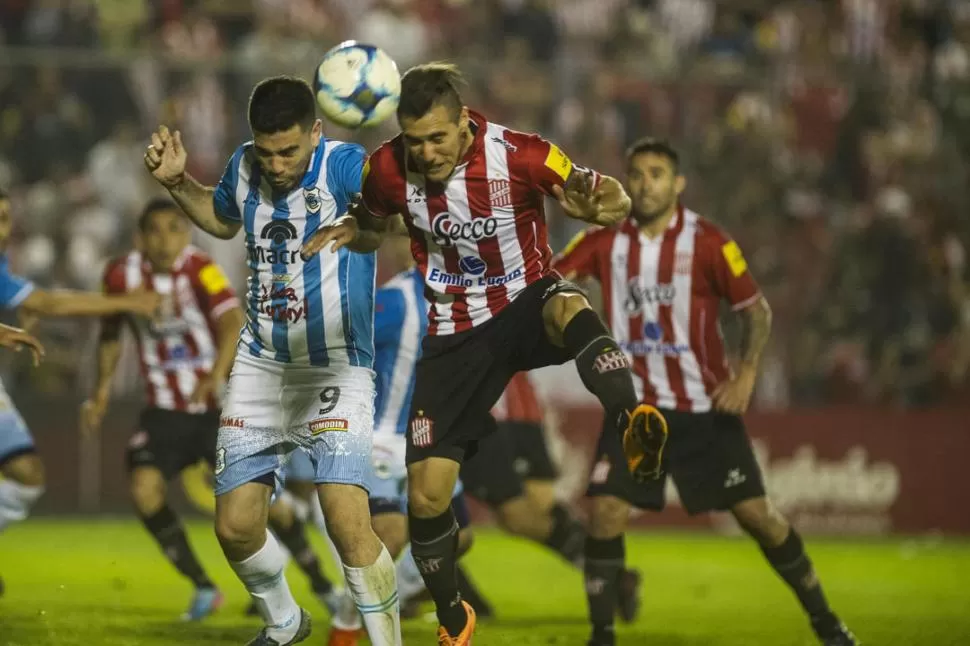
830,137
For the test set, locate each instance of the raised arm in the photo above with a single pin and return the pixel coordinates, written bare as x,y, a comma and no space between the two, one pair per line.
165,159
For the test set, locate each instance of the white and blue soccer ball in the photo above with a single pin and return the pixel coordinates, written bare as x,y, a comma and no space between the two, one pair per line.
357,85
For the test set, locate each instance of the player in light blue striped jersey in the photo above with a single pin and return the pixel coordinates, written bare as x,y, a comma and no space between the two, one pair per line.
303,374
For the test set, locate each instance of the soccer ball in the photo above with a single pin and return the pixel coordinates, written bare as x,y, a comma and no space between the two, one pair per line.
357,85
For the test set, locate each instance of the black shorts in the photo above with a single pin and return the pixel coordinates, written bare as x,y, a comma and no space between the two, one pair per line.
173,440
514,453
460,376
708,455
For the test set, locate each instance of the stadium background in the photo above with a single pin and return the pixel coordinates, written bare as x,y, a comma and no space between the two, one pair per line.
829,137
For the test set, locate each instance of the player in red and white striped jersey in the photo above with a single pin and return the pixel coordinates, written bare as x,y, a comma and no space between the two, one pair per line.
185,352
471,193
664,273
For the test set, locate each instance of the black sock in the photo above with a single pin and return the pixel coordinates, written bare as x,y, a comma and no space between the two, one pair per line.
164,526
568,536
603,367
471,594
295,540
793,565
602,567
434,546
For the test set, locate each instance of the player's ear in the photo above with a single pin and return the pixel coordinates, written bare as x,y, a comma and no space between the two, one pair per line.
680,183
463,118
316,131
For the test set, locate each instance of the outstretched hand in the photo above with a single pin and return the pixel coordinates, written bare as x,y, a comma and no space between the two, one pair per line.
166,157
604,204
17,339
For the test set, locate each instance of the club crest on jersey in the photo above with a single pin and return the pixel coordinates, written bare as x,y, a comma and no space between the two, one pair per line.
312,198
499,193
683,263
445,232
421,430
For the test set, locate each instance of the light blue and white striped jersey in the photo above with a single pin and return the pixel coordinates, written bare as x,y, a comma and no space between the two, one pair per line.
319,312
401,321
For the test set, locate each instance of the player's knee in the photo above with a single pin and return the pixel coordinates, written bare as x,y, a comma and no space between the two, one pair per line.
466,538
560,309
431,483
761,520
520,517
542,493
238,536
147,488
27,469
428,501
240,522
608,517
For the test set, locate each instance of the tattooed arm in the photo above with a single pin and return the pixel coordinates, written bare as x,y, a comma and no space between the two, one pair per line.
734,395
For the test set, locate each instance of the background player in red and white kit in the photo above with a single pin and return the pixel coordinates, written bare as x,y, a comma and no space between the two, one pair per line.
664,273
471,193
186,353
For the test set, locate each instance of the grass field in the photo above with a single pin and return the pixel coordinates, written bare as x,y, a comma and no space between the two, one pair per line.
71,583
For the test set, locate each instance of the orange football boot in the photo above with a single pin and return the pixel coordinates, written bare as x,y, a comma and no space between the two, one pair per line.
464,638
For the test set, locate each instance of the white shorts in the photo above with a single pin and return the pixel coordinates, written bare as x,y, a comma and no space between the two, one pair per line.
15,439
387,481
271,409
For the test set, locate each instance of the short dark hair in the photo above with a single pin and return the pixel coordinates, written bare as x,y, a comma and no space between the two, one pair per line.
279,103
155,205
655,146
428,85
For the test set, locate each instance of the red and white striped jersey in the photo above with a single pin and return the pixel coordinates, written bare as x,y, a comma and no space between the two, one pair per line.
479,237
661,298
519,402
179,346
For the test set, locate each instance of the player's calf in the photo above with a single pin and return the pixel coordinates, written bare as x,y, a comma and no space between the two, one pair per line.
22,485
368,567
785,552
602,365
392,529
433,528
291,532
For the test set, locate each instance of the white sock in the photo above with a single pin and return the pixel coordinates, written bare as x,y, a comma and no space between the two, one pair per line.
347,617
409,581
16,500
374,588
262,574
